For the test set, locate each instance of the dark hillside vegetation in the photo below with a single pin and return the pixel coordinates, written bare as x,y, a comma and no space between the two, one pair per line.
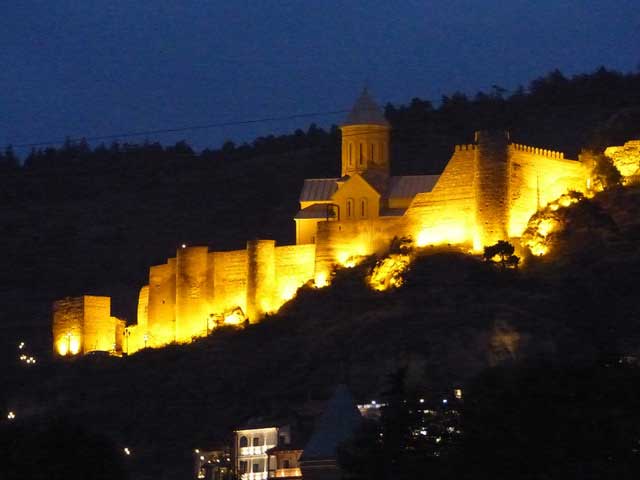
455,317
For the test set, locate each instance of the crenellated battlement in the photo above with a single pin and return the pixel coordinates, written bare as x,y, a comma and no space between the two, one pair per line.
538,151
468,146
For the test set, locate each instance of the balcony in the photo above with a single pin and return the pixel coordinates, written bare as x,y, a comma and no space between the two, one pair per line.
261,450
254,476
286,473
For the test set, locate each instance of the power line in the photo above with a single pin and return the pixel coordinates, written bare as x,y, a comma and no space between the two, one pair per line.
181,129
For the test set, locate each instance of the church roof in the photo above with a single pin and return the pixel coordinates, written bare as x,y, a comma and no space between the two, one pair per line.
408,186
318,210
318,189
336,425
366,112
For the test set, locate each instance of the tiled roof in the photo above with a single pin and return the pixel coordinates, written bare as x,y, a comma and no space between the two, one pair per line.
366,112
318,210
318,189
409,186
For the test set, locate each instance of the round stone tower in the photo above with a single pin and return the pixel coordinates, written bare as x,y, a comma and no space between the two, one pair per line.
491,186
365,138
261,278
191,306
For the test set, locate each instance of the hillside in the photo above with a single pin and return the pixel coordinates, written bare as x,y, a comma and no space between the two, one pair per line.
454,317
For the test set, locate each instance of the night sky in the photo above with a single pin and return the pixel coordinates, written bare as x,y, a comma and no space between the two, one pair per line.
91,68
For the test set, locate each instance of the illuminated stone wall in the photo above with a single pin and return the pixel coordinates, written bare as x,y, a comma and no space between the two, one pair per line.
191,295
487,192
295,266
68,322
491,184
84,324
230,281
446,214
537,177
261,278
345,243
192,310
99,326
162,304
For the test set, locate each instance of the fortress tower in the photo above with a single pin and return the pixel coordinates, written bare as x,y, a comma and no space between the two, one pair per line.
491,181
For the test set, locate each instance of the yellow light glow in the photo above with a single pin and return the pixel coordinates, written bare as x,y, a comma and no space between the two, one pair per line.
235,317
288,292
348,259
388,272
321,280
74,345
539,249
441,234
546,226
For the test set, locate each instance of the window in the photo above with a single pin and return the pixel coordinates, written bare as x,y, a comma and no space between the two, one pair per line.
257,441
361,159
244,442
285,464
372,153
256,468
243,466
363,207
349,207
351,154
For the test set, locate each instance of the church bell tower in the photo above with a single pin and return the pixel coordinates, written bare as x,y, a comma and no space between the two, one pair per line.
365,138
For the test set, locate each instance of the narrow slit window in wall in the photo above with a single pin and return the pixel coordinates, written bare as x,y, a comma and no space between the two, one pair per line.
363,207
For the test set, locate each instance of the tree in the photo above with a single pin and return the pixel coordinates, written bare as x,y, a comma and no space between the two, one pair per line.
505,253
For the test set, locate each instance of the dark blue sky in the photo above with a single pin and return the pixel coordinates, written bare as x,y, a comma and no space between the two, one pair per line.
88,68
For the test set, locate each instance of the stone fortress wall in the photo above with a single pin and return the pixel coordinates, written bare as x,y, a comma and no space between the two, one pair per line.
487,192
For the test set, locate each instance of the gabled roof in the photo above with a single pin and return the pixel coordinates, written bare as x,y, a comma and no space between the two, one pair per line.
409,186
338,422
366,112
318,189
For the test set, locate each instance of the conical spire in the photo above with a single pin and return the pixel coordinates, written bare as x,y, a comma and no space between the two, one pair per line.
366,112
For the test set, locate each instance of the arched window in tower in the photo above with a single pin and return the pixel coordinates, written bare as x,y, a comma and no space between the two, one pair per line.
372,151
363,207
361,155
350,154
349,207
